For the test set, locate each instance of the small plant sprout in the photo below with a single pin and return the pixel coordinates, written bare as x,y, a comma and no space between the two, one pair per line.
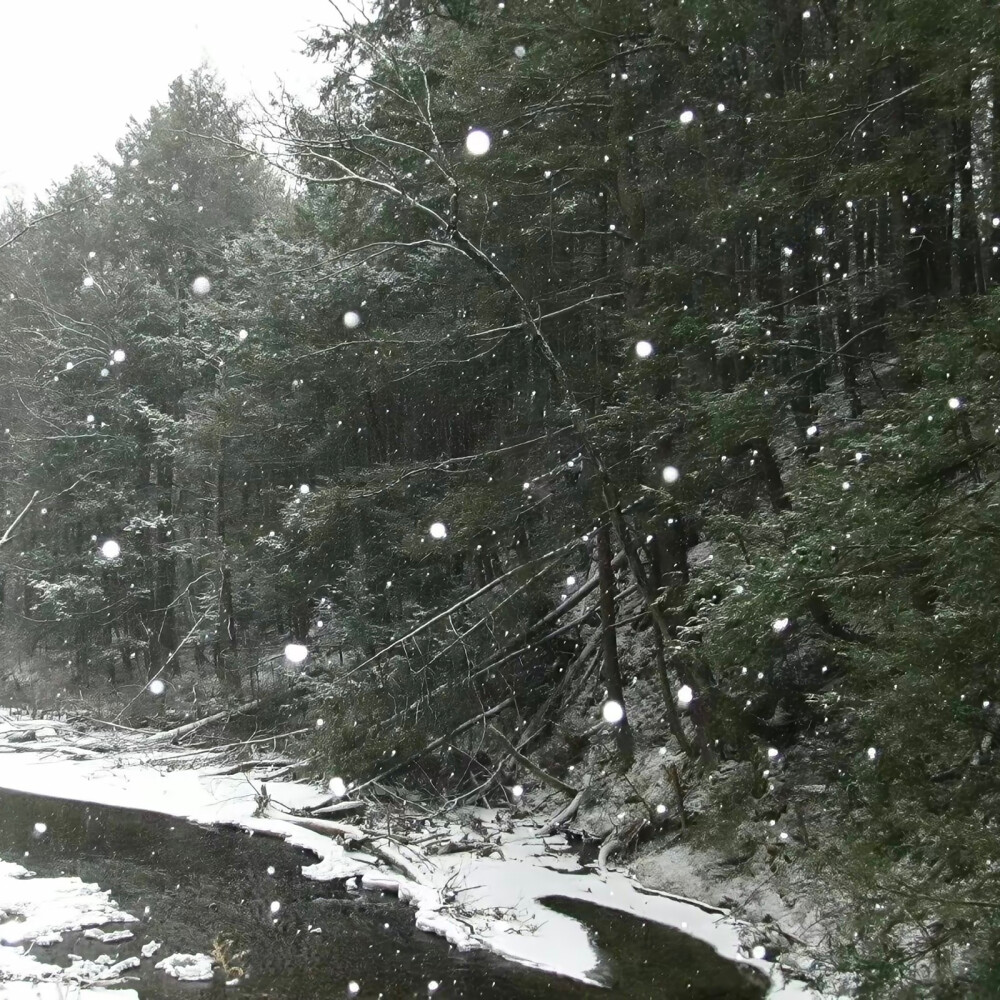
643,348
438,530
685,695
201,286
613,712
671,474
295,652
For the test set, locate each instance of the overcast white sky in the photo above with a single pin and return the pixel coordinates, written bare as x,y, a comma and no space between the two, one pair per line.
73,72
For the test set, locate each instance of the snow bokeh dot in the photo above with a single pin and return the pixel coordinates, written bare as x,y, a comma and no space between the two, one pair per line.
201,285
111,549
478,142
295,652
613,712
438,530
643,348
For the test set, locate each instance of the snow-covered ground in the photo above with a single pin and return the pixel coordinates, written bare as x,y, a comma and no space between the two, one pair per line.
456,895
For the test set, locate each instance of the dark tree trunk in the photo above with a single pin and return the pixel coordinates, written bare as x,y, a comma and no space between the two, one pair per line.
612,671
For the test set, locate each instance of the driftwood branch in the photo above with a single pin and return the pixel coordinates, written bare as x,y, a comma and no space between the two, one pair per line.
566,814
5,538
538,772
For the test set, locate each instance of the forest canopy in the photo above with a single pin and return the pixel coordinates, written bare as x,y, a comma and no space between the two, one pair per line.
691,304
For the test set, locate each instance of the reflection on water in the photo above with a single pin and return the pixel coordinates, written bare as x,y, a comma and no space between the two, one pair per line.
200,885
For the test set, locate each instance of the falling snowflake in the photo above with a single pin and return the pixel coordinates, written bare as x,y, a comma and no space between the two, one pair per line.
517,791
613,712
111,549
156,686
337,787
118,357
687,117
779,625
438,530
201,285
295,652
671,474
352,319
644,348
477,142
685,695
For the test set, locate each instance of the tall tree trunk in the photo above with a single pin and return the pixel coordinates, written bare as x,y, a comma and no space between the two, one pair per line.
612,671
970,261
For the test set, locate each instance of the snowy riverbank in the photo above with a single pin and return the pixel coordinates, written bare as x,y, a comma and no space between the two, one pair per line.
490,896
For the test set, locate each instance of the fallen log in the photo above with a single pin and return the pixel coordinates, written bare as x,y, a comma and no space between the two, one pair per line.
549,779
339,808
350,834
566,814
403,765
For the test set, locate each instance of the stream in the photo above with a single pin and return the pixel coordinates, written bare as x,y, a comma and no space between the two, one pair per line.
191,885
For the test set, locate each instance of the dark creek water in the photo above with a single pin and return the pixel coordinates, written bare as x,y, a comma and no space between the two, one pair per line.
202,885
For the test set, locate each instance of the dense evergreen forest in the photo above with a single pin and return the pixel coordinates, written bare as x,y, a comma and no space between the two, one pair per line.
572,377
